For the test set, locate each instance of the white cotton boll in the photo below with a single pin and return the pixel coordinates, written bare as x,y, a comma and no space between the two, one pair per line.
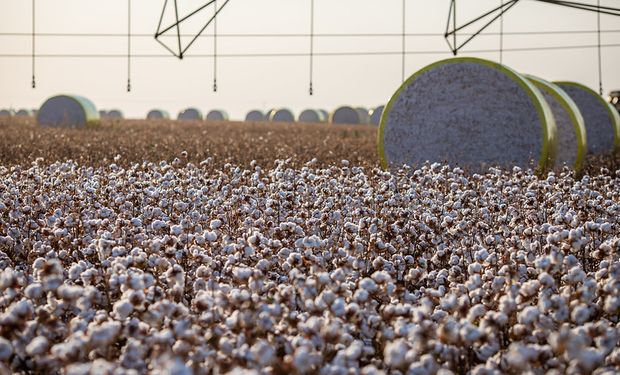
34,291
381,277
588,359
368,285
37,346
242,273
395,353
360,296
176,230
215,224
354,351
474,268
470,333
612,304
576,275
339,307
70,292
104,333
6,349
482,255
262,353
546,280
200,239
75,271
351,228
210,236
38,263
158,225
580,314
123,309
136,222
476,312
303,360
529,315
530,288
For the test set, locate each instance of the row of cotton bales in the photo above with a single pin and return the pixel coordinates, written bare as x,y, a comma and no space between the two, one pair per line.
192,114
115,114
342,115
476,113
20,113
77,111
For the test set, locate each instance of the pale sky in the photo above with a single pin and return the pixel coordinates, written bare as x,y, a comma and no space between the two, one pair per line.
266,82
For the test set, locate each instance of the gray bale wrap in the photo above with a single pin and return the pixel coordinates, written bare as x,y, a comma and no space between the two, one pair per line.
115,114
324,115
572,138
190,114
24,113
375,117
255,115
311,116
471,113
157,114
67,111
281,115
346,115
7,113
217,115
364,115
602,122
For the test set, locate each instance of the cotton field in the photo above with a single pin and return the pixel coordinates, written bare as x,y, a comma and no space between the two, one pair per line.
180,268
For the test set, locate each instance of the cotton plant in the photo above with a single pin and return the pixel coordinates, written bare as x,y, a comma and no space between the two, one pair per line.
184,268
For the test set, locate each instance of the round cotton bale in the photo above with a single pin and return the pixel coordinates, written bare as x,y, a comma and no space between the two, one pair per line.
311,116
602,121
364,115
324,115
346,115
24,113
190,114
255,115
157,114
217,115
375,116
67,111
614,99
103,113
571,131
470,113
7,113
282,115
115,114
269,113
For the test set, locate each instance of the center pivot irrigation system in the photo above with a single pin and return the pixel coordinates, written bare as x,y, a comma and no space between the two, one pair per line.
497,15
457,35
451,34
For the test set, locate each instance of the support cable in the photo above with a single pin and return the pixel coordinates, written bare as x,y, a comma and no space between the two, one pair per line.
215,48
128,45
404,40
178,25
600,54
34,82
501,35
311,89
456,50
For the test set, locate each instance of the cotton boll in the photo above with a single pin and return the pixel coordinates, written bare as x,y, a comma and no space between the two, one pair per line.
6,349
395,354
123,309
37,346
215,224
